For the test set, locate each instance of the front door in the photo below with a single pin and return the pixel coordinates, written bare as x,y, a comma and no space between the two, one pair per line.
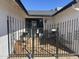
36,23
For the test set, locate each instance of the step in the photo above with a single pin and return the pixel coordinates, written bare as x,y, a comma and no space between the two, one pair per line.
18,58
71,57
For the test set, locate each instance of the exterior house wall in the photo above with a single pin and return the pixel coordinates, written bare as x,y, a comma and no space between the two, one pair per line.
47,22
66,16
7,8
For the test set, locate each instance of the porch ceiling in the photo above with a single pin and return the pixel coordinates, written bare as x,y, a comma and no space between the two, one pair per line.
44,13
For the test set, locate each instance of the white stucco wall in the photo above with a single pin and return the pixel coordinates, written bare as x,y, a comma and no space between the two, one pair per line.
7,8
65,16
48,24
68,14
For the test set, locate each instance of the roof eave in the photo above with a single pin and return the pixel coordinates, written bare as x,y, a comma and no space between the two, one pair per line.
65,7
21,5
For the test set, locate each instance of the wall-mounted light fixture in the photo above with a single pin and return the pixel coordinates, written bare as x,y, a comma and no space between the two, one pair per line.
75,7
53,30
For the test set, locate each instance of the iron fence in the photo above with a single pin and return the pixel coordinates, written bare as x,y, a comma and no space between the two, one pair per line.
59,39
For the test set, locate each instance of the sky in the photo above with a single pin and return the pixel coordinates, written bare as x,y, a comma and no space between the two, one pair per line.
44,4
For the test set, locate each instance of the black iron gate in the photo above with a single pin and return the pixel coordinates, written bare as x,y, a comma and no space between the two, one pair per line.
54,40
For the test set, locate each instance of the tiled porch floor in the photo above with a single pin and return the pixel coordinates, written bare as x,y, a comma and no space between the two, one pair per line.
38,49
41,50
71,57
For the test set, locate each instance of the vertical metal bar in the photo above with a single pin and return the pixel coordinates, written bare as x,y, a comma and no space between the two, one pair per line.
47,40
70,34
65,33
26,36
18,35
56,34
63,39
36,42
23,38
59,34
38,46
49,47
74,34
13,35
32,42
24,43
46,36
8,35
20,38
77,36
70,30
54,39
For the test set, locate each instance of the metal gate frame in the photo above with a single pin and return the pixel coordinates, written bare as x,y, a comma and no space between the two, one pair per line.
62,27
